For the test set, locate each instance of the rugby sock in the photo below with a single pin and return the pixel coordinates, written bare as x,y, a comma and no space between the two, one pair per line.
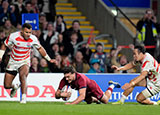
110,89
123,97
23,96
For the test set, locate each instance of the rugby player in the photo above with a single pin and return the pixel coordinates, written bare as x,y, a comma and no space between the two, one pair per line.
20,44
88,89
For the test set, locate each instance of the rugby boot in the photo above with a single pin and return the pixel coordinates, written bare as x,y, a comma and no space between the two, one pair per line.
116,84
14,90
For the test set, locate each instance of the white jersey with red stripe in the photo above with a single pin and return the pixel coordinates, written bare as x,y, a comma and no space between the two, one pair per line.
20,47
151,65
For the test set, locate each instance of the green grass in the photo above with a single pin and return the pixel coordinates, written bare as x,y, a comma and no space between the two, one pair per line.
58,108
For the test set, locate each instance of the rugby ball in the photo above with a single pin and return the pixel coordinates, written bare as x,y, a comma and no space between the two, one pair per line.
66,88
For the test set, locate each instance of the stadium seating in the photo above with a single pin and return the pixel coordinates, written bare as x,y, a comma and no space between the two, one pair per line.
70,13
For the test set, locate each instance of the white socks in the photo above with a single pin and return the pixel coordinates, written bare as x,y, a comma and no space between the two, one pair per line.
23,101
23,96
123,98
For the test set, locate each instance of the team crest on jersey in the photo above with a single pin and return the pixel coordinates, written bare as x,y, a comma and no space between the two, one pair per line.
28,45
18,43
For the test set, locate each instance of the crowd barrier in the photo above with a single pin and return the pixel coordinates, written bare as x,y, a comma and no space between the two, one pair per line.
42,87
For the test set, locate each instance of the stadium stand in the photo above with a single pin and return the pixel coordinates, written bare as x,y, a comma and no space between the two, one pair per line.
71,13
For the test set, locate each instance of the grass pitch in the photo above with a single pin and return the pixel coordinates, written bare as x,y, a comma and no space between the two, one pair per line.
58,108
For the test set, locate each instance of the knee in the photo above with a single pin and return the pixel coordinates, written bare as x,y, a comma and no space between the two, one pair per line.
104,99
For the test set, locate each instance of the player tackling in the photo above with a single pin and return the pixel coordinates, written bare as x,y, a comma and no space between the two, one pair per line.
88,89
20,44
149,77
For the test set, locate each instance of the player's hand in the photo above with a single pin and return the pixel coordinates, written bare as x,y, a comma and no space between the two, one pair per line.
126,86
66,94
53,61
115,67
69,94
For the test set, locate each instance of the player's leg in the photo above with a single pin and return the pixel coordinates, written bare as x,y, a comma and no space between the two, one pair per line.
88,100
91,99
109,91
23,73
128,91
8,79
150,91
142,98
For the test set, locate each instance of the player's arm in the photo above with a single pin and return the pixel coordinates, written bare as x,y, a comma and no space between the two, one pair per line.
2,51
136,80
60,94
43,52
126,67
81,97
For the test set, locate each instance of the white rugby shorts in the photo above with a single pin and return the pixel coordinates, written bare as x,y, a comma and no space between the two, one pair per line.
15,65
151,90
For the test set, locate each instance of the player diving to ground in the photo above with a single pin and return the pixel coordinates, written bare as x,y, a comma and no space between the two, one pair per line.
88,89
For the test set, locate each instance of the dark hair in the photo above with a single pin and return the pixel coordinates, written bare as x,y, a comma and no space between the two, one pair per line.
140,49
27,3
26,25
72,33
74,21
1,30
69,70
60,16
99,44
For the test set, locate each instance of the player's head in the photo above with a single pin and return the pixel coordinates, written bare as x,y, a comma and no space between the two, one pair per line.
26,30
69,73
139,52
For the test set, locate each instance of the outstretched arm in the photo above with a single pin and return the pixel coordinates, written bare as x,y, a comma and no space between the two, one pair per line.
126,67
137,80
42,51
81,97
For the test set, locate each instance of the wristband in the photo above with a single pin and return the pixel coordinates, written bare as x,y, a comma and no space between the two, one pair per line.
1,53
47,57
132,83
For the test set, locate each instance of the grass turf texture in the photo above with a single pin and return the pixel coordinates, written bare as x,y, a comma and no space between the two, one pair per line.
58,108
